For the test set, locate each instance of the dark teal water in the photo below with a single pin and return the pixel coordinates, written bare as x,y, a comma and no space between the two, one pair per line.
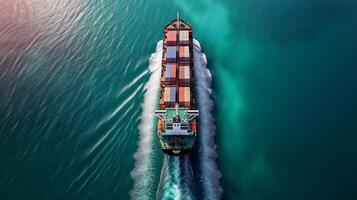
72,87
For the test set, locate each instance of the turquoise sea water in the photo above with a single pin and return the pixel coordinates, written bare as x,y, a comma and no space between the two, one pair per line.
72,93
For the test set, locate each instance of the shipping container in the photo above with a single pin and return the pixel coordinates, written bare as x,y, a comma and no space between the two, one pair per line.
184,36
170,72
170,94
184,95
171,54
184,52
184,73
171,36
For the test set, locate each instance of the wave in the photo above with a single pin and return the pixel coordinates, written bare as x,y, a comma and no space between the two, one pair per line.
209,173
142,173
176,179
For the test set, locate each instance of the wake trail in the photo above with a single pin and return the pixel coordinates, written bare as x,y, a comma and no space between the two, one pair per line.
209,173
143,173
177,180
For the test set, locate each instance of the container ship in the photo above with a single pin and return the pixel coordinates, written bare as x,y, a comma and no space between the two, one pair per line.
177,124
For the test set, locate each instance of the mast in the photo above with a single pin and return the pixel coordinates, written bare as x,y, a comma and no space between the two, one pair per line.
177,60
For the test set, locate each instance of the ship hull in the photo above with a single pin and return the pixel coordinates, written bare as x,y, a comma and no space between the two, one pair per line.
177,91
176,152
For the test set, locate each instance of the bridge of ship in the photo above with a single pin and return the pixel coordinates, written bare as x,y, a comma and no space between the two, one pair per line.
181,127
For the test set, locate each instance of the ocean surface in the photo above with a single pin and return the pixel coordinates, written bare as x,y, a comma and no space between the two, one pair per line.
277,92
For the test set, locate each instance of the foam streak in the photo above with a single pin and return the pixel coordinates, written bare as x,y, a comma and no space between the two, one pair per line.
144,158
210,174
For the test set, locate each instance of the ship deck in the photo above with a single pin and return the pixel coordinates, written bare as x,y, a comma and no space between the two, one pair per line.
177,74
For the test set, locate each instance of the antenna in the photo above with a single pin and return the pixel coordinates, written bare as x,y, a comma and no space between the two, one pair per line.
178,19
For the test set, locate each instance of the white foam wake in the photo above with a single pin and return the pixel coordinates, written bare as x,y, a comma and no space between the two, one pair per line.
169,186
210,174
142,173
176,180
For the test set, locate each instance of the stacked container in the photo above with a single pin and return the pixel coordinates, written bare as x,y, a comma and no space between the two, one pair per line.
177,70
